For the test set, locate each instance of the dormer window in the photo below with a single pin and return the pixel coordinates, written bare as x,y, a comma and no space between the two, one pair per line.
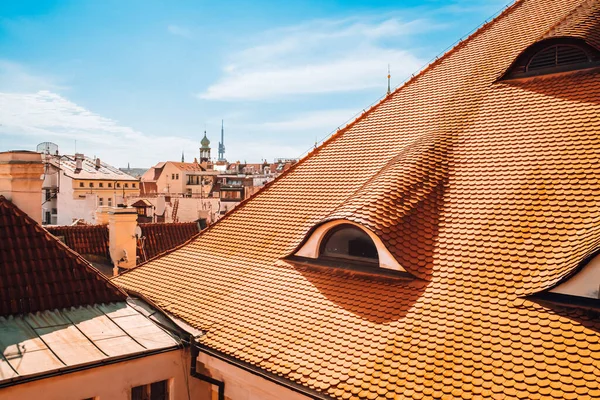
350,243
552,56
345,244
557,56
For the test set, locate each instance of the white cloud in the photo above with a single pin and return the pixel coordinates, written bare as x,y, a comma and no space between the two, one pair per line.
319,57
178,30
47,116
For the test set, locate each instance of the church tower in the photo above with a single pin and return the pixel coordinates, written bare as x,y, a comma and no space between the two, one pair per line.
205,149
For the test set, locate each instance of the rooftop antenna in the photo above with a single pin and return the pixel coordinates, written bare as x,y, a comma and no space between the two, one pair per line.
389,76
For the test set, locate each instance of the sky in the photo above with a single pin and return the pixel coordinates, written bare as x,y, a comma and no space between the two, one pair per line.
139,81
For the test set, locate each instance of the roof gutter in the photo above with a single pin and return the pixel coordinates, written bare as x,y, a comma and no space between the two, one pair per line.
193,372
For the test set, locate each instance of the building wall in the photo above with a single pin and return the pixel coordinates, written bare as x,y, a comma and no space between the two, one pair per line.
114,382
75,202
70,208
165,183
241,384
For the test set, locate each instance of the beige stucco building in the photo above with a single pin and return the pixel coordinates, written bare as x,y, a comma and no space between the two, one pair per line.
75,186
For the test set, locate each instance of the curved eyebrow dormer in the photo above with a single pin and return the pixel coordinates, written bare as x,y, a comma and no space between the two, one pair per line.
584,283
347,242
554,55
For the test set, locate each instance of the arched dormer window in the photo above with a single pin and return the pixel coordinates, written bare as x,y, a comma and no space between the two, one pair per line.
554,55
346,244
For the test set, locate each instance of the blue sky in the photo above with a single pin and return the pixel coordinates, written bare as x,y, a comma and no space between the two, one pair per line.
139,81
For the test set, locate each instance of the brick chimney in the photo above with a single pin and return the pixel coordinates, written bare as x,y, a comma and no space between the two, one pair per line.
21,180
122,222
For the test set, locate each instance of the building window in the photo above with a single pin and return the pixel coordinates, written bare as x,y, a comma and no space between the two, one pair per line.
554,55
80,184
176,176
101,184
91,184
349,243
118,185
133,185
127,185
173,176
101,201
152,391
109,184
110,201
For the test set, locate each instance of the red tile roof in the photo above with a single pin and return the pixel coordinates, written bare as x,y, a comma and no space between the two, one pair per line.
37,272
93,239
84,239
488,191
161,237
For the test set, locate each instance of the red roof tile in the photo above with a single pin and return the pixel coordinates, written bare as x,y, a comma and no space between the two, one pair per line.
37,272
162,237
84,239
486,190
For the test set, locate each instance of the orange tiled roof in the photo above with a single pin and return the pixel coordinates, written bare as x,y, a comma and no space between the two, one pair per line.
486,190
37,272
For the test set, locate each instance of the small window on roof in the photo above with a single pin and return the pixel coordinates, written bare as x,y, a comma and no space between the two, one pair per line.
557,56
350,243
554,55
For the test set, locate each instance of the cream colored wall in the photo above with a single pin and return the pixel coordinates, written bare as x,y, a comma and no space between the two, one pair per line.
241,384
114,382
175,185
105,191
21,181
586,283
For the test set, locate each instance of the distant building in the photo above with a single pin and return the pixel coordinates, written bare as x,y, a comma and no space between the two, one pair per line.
75,186
177,178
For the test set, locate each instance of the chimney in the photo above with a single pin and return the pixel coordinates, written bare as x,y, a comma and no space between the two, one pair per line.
102,215
78,162
98,163
122,222
21,174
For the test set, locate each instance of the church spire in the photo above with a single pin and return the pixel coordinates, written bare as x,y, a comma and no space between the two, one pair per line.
389,76
182,158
